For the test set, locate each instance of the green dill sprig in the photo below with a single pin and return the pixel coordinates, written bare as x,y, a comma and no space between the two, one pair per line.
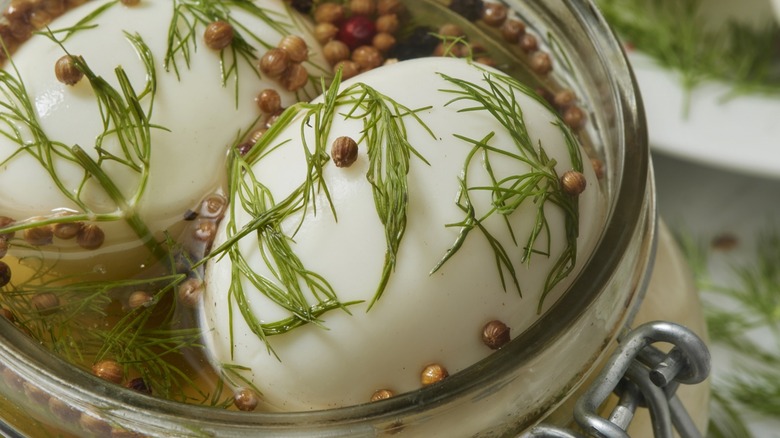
389,154
190,16
83,24
677,37
123,118
535,187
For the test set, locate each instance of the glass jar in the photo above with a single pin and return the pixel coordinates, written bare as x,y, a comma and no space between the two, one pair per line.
531,380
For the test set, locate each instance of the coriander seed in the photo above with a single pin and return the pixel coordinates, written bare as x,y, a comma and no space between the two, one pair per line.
388,23
6,221
495,334
564,98
296,47
512,30
39,236
573,183
541,63
598,167
382,394
218,35
213,206
5,273
324,32
67,230
274,62
109,370
130,2
3,247
389,7
138,299
344,151
348,69
335,51
329,13
245,399
295,78
190,292
451,30
269,101
367,57
7,314
45,303
90,237
383,41
205,231
362,7
528,43
66,70
574,117
433,373
494,14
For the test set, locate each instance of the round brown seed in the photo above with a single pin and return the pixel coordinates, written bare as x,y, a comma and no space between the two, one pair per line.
388,23
190,292
296,47
574,117
573,183
512,30
383,41
139,298
274,62
245,399
205,231
130,2
564,98
3,247
495,334
325,32
344,151
45,303
348,69
541,63
362,7
4,222
66,71
528,43
67,230
433,373
90,237
494,14
109,370
139,384
39,236
269,101
329,13
335,51
5,273
382,394
218,35
295,78
384,7
213,206
367,57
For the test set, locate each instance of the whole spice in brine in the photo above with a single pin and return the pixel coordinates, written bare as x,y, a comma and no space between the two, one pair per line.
90,237
245,399
433,373
573,182
218,35
495,334
344,151
66,71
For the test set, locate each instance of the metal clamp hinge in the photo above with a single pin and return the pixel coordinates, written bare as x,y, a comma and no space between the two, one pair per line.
641,375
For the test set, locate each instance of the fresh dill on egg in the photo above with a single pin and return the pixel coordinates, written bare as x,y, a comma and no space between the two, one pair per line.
125,120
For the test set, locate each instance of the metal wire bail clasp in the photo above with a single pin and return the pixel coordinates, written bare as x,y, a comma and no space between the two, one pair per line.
642,375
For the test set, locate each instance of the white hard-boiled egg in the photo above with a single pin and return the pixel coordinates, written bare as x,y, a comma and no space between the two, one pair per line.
422,318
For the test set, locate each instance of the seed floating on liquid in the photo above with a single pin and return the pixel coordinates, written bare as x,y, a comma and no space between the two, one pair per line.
433,373
495,334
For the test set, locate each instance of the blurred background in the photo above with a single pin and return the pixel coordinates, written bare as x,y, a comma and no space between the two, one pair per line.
709,72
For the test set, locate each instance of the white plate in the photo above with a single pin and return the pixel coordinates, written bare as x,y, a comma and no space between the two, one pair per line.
741,133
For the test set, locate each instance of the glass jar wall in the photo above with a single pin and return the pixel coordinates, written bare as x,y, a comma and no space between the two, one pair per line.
532,379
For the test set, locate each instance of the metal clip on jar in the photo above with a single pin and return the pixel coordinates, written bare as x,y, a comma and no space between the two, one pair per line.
557,373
